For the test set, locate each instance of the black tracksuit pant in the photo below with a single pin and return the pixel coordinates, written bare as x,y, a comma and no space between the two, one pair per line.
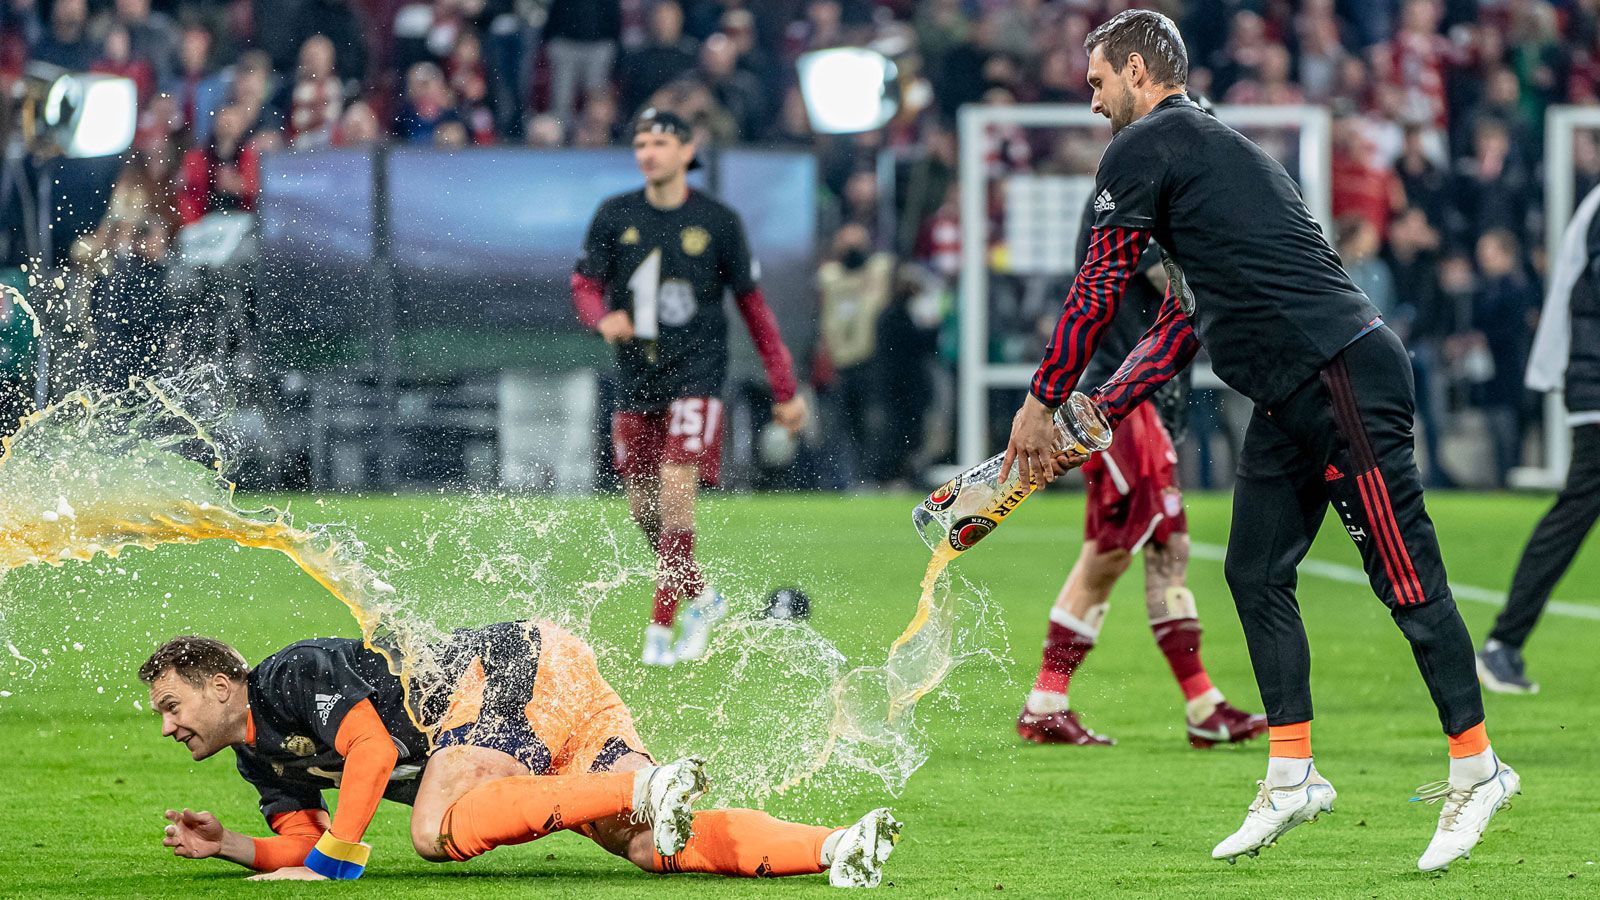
1344,439
1555,540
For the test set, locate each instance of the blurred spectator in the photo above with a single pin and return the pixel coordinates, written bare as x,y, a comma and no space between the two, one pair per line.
116,58
908,343
317,98
198,87
126,306
1506,307
1243,54
225,174
1063,77
668,55
1417,58
1361,186
335,20
1358,250
1320,50
359,125
1425,183
66,43
152,36
854,287
581,40
428,104
251,89
1413,259
1269,85
597,127
861,201
451,135
1492,189
736,90
544,130
469,80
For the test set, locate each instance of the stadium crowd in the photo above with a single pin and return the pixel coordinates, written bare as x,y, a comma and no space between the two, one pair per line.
1438,112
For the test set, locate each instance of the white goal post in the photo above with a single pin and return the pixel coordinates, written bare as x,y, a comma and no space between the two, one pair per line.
978,375
1561,125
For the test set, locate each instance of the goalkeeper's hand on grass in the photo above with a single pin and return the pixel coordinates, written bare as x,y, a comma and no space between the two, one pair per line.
193,835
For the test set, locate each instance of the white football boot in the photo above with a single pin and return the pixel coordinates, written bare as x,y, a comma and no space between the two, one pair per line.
1275,811
862,850
658,646
663,797
1465,814
698,620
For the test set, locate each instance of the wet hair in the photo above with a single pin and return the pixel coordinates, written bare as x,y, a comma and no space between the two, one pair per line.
195,659
1151,35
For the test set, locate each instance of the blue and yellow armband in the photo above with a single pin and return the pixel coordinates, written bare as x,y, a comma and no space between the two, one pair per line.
337,859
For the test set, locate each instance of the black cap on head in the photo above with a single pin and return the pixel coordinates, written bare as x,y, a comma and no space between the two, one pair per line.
662,121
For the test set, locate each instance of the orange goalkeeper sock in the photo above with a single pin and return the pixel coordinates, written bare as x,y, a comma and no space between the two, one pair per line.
748,843
1292,741
524,808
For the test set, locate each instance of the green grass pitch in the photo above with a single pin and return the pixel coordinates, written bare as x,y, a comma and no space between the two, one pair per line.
86,775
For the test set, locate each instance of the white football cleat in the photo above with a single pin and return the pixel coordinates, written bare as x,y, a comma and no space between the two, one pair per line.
698,620
668,795
658,646
1275,811
1465,815
862,850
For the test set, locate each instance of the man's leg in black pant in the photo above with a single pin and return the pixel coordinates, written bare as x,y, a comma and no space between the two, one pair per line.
1278,505
1555,541
1375,487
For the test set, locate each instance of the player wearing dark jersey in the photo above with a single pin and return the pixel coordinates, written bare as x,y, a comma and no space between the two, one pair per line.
525,739
1254,281
1134,504
655,265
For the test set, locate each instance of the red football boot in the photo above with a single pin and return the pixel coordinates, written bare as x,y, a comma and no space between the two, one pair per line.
1060,728
1226,725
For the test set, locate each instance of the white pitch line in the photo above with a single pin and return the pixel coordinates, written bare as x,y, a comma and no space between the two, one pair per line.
1353,575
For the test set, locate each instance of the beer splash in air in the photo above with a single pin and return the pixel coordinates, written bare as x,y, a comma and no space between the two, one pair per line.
776,706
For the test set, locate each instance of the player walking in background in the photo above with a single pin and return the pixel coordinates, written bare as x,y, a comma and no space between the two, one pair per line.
655,265
529,740
1565,357
1133,504
1254,281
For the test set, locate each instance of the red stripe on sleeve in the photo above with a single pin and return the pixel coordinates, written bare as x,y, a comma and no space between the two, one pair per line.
1090,305
1164,351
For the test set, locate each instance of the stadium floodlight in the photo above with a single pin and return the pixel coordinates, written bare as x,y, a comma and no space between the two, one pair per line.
848,89
92,115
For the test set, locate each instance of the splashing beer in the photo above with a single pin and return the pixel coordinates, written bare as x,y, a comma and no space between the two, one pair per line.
964,510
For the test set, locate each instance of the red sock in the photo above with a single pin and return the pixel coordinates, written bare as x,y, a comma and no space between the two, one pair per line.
1179,639
748,843
1064,650
677,575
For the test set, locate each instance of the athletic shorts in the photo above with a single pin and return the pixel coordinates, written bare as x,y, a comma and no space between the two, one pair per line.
1133,495
534,692
689,432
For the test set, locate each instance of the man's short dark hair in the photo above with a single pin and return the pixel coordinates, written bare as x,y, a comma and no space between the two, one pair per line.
195,659
1151,35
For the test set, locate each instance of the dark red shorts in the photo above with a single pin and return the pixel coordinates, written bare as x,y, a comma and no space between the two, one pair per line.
1133,495
689,432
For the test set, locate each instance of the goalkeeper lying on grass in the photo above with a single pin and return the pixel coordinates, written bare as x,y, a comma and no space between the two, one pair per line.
530,739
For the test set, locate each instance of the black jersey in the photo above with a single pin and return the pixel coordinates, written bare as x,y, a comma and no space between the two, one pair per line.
678,262
1265,293
1250,270
298,698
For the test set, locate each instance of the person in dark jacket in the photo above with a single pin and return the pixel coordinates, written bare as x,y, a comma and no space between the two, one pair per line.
1566,356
